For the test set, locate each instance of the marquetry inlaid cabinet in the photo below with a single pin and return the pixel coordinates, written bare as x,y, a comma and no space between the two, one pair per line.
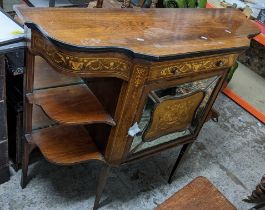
142,81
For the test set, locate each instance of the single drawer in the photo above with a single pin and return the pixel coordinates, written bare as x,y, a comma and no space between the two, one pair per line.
184,67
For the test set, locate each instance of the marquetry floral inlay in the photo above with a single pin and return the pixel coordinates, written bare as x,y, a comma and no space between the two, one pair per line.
172,115
182,68
139,76
80,64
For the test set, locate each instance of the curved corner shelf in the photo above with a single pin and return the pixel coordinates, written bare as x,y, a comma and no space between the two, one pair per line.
74,104
46,77
40,119
65,145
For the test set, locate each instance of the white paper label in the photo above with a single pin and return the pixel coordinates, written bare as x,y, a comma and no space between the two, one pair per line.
134,130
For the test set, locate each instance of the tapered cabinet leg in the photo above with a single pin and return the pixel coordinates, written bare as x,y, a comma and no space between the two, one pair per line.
101,184
99,3
25,162
27,116
184,150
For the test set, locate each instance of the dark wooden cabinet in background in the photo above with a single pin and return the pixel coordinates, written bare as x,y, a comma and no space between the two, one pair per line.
4,164
8,45
14,99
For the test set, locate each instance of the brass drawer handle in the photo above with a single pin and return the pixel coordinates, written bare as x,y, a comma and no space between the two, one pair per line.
174,70
220,63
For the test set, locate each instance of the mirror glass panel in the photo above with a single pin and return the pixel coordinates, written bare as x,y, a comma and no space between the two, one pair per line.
157,97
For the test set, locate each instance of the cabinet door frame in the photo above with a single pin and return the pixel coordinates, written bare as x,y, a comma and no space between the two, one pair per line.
127,157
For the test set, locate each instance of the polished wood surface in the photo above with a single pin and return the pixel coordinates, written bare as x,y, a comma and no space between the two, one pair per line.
71,105
200,194
65,144
153,32
46,77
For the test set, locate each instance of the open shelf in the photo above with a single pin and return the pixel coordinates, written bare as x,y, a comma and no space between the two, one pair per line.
40,119
46,77
74,104
65,145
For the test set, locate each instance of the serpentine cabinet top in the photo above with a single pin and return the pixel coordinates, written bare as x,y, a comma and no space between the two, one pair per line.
152,34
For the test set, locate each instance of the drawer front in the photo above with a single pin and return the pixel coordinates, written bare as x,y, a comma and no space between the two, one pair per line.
185,67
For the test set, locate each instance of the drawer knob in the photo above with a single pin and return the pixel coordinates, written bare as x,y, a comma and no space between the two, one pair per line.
174,70
219,63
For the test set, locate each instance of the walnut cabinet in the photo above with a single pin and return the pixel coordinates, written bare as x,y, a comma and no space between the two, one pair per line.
140,86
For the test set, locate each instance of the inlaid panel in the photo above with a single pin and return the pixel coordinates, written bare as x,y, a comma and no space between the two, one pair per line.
172,113
97,65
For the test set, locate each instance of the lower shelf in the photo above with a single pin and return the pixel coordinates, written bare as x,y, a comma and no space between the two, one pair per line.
65,145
